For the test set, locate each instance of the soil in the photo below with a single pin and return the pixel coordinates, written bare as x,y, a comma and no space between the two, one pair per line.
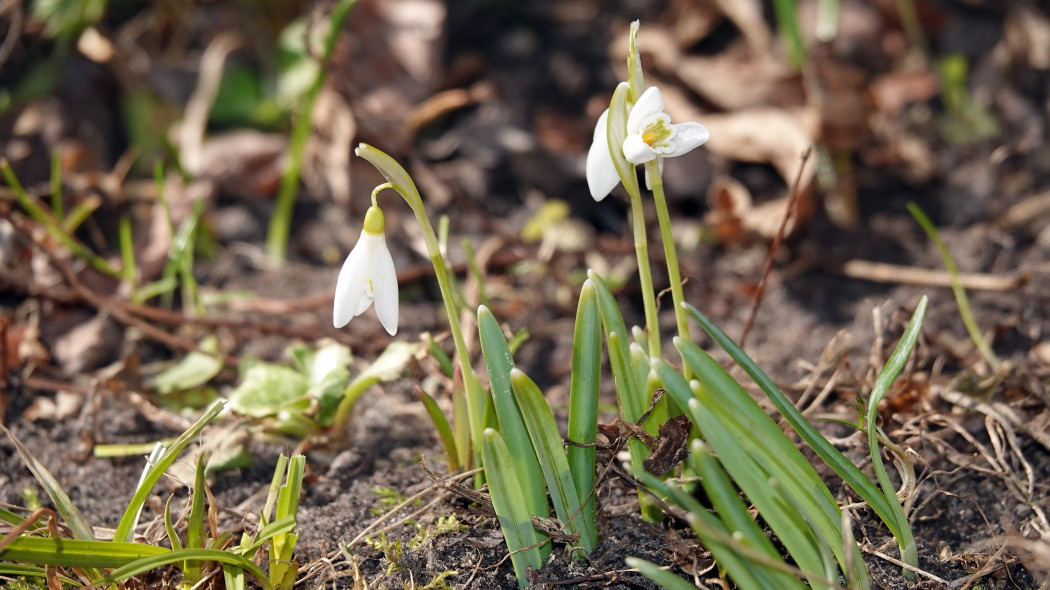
535,78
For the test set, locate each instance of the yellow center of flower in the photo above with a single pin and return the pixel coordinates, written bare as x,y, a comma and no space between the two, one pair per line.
375,222
658,131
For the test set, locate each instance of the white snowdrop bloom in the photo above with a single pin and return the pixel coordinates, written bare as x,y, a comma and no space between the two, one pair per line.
368,276
650,136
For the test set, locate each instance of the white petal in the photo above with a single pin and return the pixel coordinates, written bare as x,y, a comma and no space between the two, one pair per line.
687,137
636,150
367,297
384,281
602,177
650,103
350,286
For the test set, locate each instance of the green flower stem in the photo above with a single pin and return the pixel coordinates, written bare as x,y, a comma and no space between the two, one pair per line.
475,394
674,274
645,274
281,218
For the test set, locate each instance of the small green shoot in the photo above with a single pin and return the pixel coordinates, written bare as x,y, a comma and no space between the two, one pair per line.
965,311
281,218
444,429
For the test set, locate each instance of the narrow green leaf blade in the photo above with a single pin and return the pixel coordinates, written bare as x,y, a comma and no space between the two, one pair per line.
499,365
664,578
555,465
127,522
845,469
76,553
151,562
79,527
509,504
444,429
583,400
890,371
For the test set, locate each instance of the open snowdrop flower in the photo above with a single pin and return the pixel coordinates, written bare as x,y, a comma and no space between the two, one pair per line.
368,276
650,136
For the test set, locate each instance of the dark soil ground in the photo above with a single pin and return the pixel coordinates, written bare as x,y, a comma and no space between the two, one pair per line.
526,82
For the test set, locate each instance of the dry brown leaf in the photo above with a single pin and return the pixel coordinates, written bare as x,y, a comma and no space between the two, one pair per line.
327,163
736,78
1027,34
245,163
765,135
747,16
388,63
892,91
64,406
690,21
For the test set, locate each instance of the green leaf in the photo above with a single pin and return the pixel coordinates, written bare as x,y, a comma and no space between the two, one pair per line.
512,428
151,562
583,400
76,552
753,450
392,363
194,370
845,469
130,518
448,438
509,504
961,300
734,514
266,389
555,466
17,569
890,371
77,524
715,536
664,578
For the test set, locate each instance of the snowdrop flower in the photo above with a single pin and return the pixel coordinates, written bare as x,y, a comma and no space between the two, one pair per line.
368,276
650,136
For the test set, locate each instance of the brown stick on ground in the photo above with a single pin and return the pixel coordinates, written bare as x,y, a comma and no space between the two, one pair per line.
791,205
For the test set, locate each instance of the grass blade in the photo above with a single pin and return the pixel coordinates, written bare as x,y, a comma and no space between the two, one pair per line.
715,536
281,218
890,371
754,450
152,562
80,528
965,311
76,552
127,522
664,578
